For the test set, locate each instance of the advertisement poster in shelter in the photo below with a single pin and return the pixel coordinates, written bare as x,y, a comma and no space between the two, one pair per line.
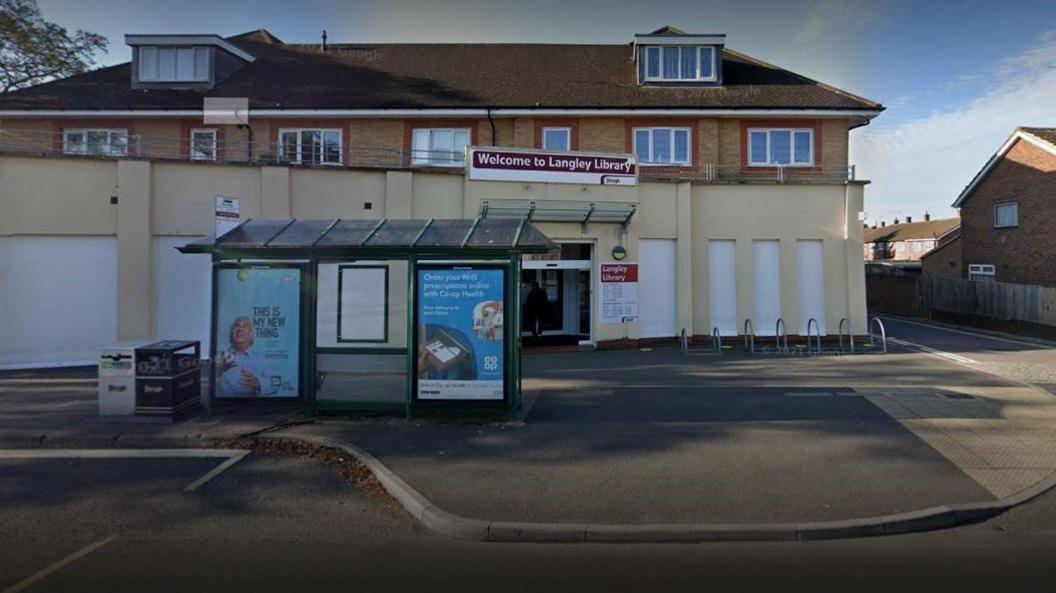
258,332
461,333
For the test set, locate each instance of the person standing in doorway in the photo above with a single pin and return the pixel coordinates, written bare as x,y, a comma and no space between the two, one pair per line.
535,308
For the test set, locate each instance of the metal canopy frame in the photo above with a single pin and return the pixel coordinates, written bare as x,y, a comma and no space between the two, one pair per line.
560,211
499,242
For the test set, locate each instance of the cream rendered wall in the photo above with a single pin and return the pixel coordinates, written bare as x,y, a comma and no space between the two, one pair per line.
786,213
184,195
322,193
57,197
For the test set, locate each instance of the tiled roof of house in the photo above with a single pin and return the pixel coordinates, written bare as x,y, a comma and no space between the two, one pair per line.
413,75
906,231
1046,134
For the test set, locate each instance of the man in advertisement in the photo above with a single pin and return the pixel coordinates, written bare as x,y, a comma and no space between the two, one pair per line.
243,373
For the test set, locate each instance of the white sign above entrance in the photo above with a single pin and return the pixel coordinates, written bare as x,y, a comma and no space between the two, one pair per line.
512,164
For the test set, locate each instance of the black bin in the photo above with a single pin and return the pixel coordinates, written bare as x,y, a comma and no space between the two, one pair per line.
168,379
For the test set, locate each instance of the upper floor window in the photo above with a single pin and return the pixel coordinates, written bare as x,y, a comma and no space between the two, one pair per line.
780,146
95,142
662,146
311,146
1006,215
173,64
557,138
443,147
203,145
981,272
679,63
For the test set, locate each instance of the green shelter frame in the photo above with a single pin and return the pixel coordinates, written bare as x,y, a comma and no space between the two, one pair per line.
306,243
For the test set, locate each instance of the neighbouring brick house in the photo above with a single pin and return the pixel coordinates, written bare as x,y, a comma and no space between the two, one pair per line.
1008,221
946,258
904,244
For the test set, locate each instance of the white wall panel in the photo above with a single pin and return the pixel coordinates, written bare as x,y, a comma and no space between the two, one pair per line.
766,257
182,291
810,276
657,310
59,299
722,287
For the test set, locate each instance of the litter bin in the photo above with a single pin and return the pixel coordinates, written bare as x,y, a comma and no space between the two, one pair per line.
117,378
168,379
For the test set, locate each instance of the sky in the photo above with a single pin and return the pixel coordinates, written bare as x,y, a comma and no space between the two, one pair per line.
956,76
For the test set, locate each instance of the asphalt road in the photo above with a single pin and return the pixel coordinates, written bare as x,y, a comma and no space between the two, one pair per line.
276,523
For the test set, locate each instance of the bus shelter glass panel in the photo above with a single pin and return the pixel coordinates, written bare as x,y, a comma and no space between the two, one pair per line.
361,332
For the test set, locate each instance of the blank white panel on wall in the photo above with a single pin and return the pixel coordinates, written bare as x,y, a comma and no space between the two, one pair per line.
363,306
722,286
183,292
59,299
810,276
657,309
766,258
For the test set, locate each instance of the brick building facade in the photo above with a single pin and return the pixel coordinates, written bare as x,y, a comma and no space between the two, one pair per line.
1007,230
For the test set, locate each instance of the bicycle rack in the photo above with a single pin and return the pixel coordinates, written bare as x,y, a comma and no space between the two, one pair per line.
749,336
685,341
817,327
780,331
883,333
850,333
716,340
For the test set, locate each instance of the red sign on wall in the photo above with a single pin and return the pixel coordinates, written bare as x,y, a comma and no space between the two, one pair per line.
618,297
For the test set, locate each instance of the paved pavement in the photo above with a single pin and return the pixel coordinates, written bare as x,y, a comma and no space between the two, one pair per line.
1004,437
276,523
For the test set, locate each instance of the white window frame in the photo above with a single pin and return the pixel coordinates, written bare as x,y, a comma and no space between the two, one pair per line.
83,147
568,137
792,148
998,206
156,53
652,130
428,159
195,131
281,147
982,272
698,75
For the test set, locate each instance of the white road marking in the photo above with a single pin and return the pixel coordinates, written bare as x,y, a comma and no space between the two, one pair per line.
55,566
232,456
932,351
216,471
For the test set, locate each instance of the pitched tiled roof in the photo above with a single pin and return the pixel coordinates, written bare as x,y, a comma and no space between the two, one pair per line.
389,76
1046,134
906,231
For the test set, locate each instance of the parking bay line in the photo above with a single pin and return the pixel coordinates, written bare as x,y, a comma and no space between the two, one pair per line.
232,456
57,565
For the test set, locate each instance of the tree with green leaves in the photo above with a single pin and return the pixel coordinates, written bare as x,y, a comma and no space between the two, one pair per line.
34,50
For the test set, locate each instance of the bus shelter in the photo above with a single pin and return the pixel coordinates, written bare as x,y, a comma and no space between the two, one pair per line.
382,315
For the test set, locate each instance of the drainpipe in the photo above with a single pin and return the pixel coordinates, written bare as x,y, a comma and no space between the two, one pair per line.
492,122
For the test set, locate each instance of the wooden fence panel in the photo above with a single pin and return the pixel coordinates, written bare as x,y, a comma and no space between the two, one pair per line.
995,300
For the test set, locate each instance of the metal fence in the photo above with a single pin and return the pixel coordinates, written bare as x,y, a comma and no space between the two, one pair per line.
307,148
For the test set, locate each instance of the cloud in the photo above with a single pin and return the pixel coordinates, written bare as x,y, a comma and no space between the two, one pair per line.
924,163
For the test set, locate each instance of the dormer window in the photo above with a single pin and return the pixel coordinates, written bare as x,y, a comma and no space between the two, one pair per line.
173,64
672,57
679,63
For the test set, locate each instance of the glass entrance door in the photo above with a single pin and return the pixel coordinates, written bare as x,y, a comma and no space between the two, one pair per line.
556,297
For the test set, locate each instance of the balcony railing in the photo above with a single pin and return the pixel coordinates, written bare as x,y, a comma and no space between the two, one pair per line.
239,147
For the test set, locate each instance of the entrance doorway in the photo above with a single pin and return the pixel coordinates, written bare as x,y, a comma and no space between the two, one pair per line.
556,297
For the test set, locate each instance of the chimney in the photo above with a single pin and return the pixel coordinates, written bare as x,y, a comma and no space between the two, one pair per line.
324,41
896,220
883,223
909,219
927,216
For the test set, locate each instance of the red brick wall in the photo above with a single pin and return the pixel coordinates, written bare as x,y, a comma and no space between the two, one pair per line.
1024,254
945,260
